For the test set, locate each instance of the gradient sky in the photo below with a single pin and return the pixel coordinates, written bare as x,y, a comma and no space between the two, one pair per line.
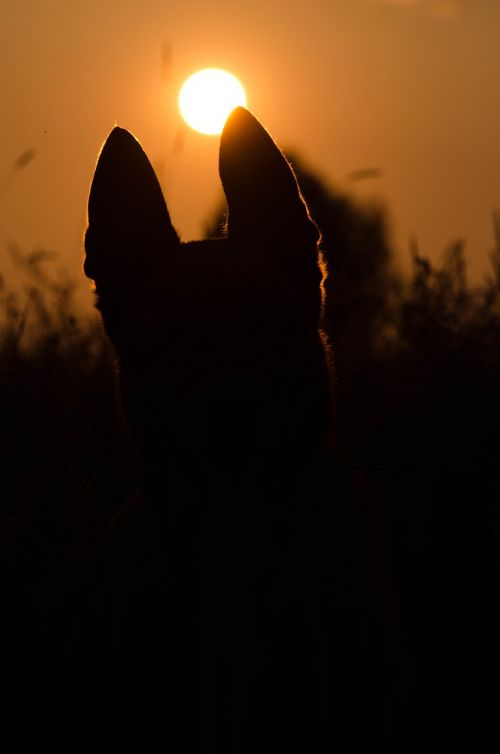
409,86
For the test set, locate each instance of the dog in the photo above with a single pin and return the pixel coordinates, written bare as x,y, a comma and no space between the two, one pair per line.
249,612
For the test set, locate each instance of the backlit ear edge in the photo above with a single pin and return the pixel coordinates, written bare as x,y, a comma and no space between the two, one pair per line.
261,189
127,214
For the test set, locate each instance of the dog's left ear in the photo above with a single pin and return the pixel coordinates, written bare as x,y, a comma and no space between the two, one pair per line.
129,225
262,194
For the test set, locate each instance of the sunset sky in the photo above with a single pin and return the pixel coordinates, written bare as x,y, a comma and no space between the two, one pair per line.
408,86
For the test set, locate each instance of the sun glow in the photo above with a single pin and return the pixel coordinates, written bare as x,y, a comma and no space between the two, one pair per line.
207,97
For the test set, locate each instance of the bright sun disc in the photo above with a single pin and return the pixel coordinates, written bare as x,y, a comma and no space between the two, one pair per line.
207,97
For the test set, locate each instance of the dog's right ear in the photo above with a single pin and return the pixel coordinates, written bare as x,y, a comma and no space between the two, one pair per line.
128,221
260,186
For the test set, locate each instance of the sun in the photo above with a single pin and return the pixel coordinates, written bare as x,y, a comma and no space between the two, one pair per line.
207,97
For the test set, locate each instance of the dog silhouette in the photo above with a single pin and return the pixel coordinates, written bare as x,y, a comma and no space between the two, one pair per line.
245,595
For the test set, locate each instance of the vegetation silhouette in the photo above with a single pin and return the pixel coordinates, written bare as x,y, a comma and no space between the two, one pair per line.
416,415
417,412
417,409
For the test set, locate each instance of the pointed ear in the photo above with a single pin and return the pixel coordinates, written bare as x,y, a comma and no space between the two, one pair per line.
128,220
261,190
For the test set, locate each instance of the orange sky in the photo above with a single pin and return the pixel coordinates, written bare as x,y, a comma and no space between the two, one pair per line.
410,86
